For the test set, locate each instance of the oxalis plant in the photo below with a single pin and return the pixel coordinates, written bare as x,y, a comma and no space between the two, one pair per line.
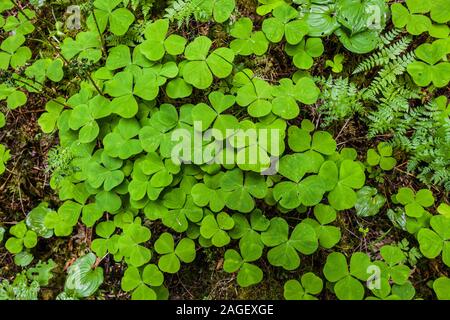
176,146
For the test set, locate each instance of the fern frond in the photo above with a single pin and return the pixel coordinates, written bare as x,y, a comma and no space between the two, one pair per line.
384,55
389,37
388,75
144,6
428,143
134,36
183,10
339,100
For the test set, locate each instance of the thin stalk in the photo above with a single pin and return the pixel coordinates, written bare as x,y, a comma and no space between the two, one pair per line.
36,89
99,32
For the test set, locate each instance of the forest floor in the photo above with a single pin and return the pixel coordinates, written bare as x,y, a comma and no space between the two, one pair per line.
25,184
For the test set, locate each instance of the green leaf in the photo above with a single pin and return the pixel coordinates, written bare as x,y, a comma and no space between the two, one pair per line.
170,260
255,95
14,245
119,19
233,261
23,259
400,15
284,255
30,239
201,67
299,139
240,191
324,214
83,280
249,275
351,176
283,23
304,239
415,203
16,99
2,120
293,290
185,250
335,267
119,57
444,209
360,43
431,71
277,233
418,24
87,45
273,29
310,284
198,49
216,229
165,244
359,264
144,293
175,44
133,280
321,20
4,157
442,288
431,244
204,114
223,9
392,255
220,61
369,202
121,143
416,6
169,263
152,276
64,220
2,233
178,89
247,42
155,33
349,289
440,11
324,143
431,53
305,51
336,64
198,74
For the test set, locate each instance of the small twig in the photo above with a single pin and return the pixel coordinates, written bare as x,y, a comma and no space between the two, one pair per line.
343,128
21,202
350,140
405,172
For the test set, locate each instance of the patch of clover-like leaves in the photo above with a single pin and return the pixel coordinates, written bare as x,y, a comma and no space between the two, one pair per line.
121,142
